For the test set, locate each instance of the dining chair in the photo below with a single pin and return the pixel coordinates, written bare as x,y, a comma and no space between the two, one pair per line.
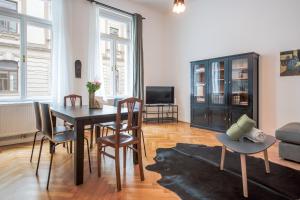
121,138
73,99
38,126
55,139
112,126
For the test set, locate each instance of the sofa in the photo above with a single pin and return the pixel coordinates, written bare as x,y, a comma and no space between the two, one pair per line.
289,145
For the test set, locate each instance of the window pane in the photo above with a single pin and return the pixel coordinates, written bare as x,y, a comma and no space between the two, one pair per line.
112,27
9,56
121,69
106,56
38,61
35,8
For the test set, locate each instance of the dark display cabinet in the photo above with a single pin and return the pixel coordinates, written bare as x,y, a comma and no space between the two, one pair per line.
223,89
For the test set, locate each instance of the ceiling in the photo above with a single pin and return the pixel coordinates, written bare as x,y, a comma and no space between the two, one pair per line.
161,5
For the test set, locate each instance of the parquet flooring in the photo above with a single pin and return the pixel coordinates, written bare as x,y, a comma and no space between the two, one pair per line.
18,180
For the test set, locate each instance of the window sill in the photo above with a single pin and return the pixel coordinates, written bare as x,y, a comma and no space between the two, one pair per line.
8,102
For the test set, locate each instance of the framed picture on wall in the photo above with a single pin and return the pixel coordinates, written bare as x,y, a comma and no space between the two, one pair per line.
290,63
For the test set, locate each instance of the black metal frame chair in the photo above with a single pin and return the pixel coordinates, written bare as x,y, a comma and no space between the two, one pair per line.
54,139
38,126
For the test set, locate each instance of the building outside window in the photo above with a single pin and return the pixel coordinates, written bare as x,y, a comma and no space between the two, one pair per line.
116,53
25,49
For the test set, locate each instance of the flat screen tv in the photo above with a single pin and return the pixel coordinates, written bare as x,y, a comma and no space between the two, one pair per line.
159,95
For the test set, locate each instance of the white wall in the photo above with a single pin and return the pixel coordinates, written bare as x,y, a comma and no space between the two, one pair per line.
212,28
154,59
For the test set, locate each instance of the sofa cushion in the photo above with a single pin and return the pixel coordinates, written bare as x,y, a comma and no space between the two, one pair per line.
289,151
289,133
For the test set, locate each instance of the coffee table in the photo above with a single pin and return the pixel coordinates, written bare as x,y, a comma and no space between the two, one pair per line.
244,148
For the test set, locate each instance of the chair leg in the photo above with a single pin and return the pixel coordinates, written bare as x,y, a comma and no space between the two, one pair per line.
144,143
117,165
38,164
124,157
88,150
71,147
67,144
140,159
99,149
102,132
50,167
106,132
92,137
33,145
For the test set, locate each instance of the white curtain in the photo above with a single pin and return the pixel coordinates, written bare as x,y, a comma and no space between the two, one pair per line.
94,56
62,72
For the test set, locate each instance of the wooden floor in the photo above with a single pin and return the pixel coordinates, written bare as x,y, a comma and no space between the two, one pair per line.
18,180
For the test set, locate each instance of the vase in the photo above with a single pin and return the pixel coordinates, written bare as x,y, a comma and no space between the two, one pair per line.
92,100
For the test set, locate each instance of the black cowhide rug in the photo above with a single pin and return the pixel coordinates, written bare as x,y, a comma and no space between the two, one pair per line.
192,172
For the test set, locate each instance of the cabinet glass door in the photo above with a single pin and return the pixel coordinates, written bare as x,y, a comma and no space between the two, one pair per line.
217,82
239,85
200,83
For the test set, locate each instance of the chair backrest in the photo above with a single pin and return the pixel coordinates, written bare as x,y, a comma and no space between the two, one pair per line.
38,122
132,105
73,98
47,125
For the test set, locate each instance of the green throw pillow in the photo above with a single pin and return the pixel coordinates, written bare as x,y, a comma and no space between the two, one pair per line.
246,123
235,132
243,125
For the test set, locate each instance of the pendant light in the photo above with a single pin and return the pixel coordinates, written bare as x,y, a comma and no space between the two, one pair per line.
179,6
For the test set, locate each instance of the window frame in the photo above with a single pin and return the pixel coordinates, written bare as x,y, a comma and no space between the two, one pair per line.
115,40
24,21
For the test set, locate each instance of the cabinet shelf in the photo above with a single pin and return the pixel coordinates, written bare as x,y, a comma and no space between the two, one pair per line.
240,68
240,79
240,92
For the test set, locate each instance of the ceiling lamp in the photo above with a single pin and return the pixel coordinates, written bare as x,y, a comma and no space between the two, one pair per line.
179,6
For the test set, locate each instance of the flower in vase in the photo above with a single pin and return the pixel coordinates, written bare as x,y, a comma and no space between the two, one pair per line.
93,86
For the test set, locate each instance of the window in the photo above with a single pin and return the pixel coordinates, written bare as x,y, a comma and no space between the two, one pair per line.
116,53
25,49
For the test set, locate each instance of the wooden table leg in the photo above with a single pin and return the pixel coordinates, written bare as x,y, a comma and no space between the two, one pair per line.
267,165
244,175
78,152
223,157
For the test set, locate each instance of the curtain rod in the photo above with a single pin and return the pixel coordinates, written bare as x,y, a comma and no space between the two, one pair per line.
112,8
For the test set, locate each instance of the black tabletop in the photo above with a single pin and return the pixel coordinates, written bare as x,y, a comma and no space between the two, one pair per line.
82,112
245,146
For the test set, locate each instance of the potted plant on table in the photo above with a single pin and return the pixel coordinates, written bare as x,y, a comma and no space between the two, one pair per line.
92,87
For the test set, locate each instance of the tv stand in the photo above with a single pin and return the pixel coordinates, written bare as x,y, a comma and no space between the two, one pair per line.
160,113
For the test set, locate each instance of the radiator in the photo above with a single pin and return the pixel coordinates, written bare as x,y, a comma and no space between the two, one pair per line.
16,121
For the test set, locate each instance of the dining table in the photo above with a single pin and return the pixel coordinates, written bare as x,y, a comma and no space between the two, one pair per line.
81,116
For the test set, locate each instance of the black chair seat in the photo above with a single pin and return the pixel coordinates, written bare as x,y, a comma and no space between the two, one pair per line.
71,126
64,137
60,129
